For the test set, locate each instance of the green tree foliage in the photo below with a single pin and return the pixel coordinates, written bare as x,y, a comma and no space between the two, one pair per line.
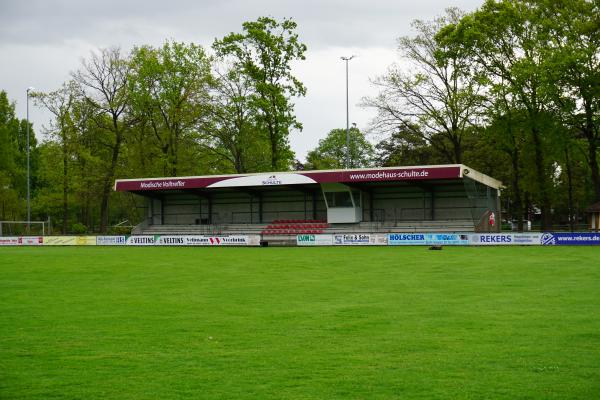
434,96
331,151
103,83
169,89
264,52
13,161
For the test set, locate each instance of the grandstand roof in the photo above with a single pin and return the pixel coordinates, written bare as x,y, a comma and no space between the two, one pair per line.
347,176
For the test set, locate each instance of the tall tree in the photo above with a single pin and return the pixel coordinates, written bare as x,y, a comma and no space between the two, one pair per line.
505,40
434,95
103,83
169,88
231,129
59,103
331,151
13,160
572,30
265,51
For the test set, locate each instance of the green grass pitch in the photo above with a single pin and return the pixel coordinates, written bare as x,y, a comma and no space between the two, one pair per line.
300,323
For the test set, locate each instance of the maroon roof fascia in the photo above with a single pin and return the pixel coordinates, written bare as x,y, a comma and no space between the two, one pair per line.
341,176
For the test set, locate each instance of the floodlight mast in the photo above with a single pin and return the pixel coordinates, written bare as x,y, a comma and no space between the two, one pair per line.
347,59
29,89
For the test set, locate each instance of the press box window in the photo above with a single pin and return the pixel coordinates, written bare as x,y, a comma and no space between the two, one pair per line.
338,199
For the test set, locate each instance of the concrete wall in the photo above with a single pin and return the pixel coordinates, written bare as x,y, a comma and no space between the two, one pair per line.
238,207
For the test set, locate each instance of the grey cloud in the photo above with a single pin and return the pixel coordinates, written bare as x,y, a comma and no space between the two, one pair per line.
321,23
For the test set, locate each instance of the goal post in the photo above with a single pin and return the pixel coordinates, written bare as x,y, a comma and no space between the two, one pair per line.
19,228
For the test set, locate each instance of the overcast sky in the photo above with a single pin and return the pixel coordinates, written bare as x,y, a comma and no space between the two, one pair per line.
42,41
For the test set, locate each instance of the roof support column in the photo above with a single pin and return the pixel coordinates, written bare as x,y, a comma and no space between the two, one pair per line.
432,194
371,206
260,208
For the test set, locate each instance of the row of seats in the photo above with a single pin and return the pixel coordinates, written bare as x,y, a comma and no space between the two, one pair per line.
297,221
298,226
295,227
291,231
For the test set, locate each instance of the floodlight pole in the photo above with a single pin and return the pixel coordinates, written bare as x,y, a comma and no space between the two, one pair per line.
28,169
346,59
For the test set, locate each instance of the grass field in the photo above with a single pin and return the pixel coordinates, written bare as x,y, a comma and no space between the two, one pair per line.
300,323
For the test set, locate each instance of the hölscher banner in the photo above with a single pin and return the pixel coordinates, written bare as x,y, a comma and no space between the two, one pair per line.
427,239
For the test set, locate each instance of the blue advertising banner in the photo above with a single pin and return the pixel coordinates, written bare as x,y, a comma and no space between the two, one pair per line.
428,239
503,239
571,239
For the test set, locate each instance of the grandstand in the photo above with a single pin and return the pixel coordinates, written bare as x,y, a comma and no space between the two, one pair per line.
438,198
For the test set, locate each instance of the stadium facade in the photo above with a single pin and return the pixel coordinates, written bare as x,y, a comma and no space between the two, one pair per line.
394,199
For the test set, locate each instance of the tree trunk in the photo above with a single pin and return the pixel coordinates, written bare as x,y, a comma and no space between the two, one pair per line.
593,161
65,221
518,202
569,189
108,179
541,180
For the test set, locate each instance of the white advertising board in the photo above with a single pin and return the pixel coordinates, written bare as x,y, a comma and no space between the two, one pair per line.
9,241
31,240
354,239
111,240
314,240
140,240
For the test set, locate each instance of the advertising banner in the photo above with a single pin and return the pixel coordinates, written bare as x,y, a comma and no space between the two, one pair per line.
570,239
381,239
427,239
69,240
200,240
31,240
314,240
503,239
140,240
9,241
355,239
111,240
236,240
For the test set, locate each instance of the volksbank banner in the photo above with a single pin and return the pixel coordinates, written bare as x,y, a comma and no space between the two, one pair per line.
427,239
111,240
198,240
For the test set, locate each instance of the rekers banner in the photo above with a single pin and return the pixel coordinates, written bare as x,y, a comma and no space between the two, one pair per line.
427,239
571,239
502,239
